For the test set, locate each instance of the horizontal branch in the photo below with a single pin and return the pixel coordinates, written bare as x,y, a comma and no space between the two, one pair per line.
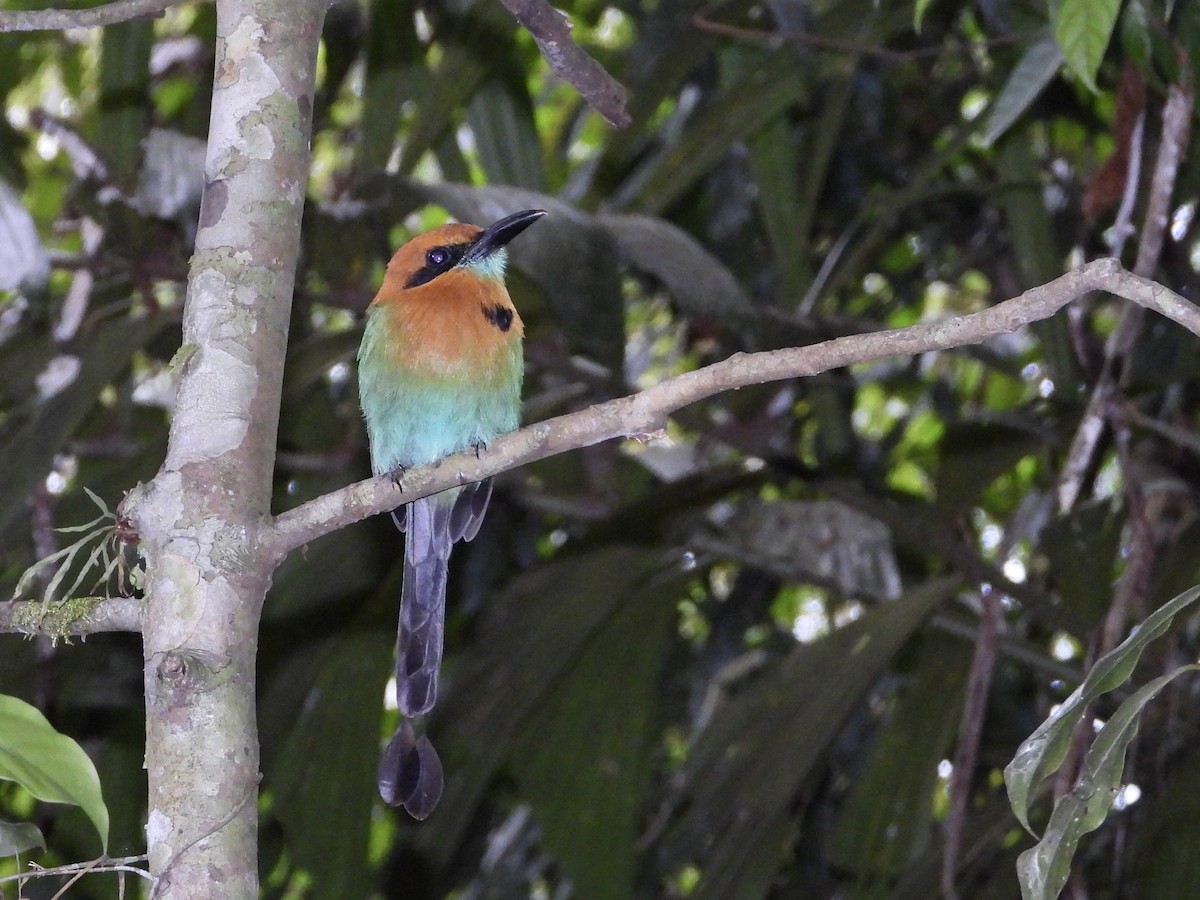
71,618
646,412
93,17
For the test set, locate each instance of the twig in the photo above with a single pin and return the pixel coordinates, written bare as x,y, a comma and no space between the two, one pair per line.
1123,227
1127,414
645,412
88,869
1177,122
1020,651
95,17
837,45
102,864
551,30
1143,548
979,682
1094,423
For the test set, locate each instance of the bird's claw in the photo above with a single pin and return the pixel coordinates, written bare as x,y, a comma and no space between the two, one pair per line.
397,475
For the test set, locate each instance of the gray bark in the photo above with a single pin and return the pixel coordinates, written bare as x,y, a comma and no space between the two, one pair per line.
199,519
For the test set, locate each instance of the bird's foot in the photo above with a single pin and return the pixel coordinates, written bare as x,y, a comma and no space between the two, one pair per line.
397,475
479,447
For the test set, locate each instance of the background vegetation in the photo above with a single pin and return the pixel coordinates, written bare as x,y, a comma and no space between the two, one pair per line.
732,660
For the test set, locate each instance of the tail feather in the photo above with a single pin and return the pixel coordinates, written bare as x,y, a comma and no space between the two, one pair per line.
410,773
422,605
469,507
432,526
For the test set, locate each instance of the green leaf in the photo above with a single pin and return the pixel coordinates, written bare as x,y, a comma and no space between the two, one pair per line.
1137,36
124,99
700,283
1043,870
49,765
763,743
919,10
1080,546
585,760
1083,29
471,43
324,775
976,453
501,118
27,449
1034,242
886,818
1040,63
776,153
534,637
747,105
1044,750
448,89
17,837
393,75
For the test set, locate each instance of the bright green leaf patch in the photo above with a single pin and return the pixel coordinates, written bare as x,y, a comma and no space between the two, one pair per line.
1044,869
919,10
1083,29
49,765
1040,63
1044,750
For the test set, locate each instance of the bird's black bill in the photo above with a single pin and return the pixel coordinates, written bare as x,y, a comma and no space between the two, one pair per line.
500,233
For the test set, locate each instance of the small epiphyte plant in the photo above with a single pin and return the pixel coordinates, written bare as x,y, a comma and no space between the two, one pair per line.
112,542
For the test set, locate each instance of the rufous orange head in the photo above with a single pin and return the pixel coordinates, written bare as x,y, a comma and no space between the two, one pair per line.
440,257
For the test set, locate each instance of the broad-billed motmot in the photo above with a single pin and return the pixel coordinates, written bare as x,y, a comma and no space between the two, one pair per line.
439,371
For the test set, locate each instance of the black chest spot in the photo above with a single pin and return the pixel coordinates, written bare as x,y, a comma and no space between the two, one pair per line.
500,316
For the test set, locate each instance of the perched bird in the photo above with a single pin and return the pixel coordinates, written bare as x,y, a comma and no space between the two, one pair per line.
439,371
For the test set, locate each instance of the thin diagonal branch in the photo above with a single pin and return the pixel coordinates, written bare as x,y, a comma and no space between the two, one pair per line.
551,30
966,754
1177,117
94,17
646,412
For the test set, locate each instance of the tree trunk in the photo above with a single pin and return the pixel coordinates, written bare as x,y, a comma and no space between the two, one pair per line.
199,520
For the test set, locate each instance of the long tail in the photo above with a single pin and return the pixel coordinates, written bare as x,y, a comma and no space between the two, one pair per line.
422,605
410,773
433,524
